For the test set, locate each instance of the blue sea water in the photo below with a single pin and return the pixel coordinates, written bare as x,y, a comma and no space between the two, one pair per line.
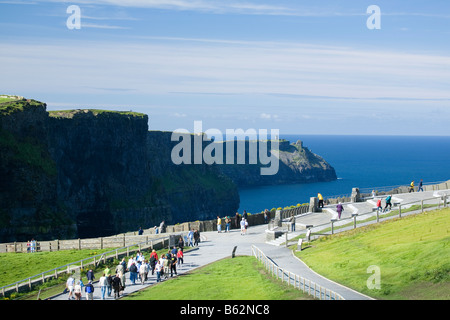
359,161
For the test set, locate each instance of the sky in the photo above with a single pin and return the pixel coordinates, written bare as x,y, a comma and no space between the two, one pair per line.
301,67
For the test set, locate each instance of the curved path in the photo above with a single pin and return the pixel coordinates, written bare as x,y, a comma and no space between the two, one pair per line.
216,246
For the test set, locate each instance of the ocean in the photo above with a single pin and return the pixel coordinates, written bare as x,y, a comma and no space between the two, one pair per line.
366,162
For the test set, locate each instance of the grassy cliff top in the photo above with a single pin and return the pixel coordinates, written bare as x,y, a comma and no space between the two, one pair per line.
10,106
95,112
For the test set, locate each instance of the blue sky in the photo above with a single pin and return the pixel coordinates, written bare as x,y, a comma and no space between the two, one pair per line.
302,67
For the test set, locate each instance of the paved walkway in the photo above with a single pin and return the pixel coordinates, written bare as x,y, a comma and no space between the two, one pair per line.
216,246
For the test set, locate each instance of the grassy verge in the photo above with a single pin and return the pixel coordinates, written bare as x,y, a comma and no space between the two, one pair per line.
411,254
239,278
18,266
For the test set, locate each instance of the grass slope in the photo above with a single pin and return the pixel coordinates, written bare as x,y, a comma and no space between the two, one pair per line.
412,254
239,278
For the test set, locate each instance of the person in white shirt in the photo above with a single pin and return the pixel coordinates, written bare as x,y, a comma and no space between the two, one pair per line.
143,270
69,285
103,282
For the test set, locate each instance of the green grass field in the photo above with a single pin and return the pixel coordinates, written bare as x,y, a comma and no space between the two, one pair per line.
239,278
411,253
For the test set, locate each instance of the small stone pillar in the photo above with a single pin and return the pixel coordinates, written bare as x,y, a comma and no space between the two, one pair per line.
355,197
313,204
277,219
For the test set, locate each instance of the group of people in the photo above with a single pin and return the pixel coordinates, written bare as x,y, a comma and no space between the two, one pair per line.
31,245
239,223
420,188
139,269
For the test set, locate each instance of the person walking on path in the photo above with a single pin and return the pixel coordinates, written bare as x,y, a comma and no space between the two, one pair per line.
116,284
103,282
180,257
292,221
90,275
143,270
379,207
190,238
70,283
133,272
339,209
196,238
227,224
173,264
219,224
108,276
242,226
158,268
89,291
420,186
77,290
236,221
411,186
266,216
320,197
388,203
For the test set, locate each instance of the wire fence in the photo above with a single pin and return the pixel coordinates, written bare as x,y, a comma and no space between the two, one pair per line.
291,279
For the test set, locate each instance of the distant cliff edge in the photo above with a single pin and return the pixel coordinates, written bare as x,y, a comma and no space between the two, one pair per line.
89,173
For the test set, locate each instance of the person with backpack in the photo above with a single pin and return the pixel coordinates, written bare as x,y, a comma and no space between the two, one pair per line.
133,272
90,275
89,291
388,203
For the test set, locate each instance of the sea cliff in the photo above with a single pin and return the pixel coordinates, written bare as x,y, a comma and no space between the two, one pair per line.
89,173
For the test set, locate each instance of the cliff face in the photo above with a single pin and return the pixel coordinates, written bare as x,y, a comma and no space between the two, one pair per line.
87,173
296,165
90,173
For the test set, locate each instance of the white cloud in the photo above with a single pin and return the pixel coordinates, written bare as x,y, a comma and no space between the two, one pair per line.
223,68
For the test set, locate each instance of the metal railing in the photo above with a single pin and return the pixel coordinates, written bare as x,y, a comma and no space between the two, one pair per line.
307,286
398,209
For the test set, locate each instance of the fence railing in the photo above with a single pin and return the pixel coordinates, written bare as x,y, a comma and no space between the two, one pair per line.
374,215
307,286
427,185
41,278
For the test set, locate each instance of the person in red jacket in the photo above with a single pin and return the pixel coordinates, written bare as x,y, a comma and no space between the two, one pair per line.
379,208
179,257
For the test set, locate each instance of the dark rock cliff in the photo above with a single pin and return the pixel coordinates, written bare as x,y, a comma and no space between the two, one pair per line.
296,165
90,173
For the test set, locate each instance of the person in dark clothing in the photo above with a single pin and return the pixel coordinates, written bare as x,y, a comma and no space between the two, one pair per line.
196,238
116,284
152,264
90,275
173,264
237,221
